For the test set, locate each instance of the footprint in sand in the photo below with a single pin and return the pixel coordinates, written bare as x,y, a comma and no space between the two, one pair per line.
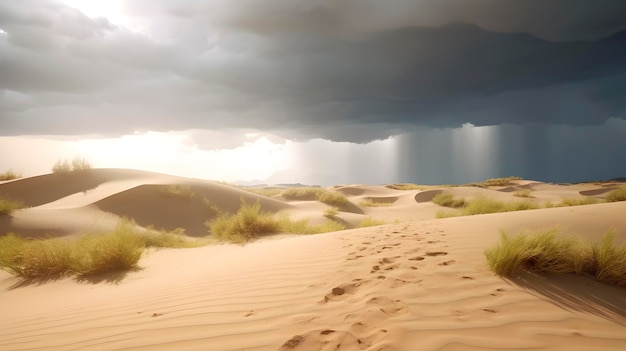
337,293
387,305
327,339
416,258
447,263
436,253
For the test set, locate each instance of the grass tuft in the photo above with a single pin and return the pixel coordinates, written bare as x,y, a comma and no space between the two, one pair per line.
447,200
578,201
618,194
88,255
9,175
547,252
524,193
331,212
481,205
179,191
77,164
8,206
249,223
371,203
331,198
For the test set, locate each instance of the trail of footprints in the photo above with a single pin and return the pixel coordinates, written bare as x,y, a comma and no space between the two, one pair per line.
360,335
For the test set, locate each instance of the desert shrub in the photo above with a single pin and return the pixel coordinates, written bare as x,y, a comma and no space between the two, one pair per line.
331,198
211,207
610,261
483,205
80,164
89,254
331,212
62,166
65,166
523,193
179,191
542,252
447,200
548,204
618,194
371,203
248,223
546,252
578,202
370,222
9,175
8,206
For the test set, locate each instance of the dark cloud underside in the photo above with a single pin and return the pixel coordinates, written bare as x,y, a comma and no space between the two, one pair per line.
344,70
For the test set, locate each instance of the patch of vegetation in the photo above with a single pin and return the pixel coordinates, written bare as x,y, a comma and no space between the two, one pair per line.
618,194
579,202
88,255
524,193
65,166
179,191
269,192
370,222
331,212
9,175
447,200
211,207
483,205
8,206
371,203
547,252
331,198
495,182
250,223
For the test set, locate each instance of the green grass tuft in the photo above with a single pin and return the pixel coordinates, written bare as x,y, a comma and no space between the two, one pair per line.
447,200
8,206
547,252
618,194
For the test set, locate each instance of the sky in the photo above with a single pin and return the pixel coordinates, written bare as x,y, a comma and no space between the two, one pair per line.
317,91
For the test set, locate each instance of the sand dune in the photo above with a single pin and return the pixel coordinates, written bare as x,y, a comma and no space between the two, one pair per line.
420,284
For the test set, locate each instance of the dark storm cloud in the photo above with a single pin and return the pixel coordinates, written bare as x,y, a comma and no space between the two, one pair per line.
340,70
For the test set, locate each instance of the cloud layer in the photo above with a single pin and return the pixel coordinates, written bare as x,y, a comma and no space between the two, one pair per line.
339,70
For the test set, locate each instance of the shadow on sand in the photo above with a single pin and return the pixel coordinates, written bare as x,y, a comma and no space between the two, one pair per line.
578,293
109,278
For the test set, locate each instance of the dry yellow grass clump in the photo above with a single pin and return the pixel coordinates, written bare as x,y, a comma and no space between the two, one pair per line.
480,205
9,175
8,206
250,223
618,194
87,255
331,198
547,252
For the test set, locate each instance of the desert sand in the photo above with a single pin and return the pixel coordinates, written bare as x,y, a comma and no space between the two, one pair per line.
417,283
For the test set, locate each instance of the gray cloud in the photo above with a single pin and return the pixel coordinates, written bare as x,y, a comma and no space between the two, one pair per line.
345,71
